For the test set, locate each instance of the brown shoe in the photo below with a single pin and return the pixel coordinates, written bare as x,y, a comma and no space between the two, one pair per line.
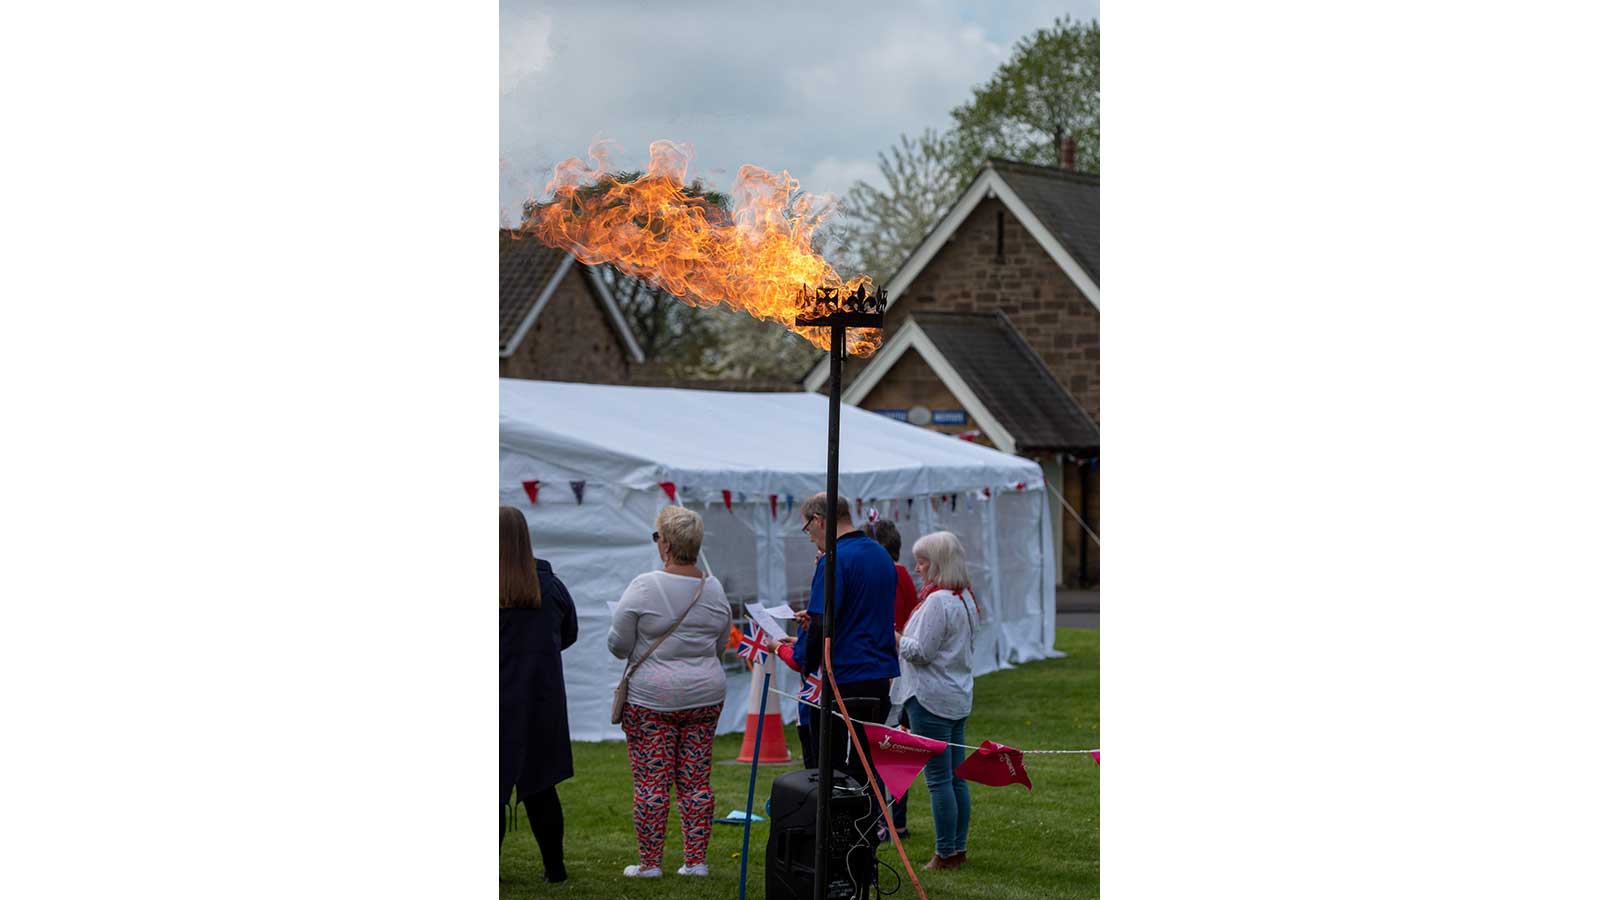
959,859
940,862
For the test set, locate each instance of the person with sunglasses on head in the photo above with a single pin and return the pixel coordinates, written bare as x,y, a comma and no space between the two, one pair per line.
676,692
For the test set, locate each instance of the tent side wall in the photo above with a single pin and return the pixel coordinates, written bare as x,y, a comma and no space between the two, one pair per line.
756,548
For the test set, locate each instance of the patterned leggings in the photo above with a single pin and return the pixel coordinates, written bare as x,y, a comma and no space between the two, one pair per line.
667,748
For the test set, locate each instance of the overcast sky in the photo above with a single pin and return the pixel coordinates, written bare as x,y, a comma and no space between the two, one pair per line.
818,89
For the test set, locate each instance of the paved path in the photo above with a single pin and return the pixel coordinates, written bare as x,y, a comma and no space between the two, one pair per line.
1077,609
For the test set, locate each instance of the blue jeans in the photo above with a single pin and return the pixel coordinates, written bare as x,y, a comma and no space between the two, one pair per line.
952,804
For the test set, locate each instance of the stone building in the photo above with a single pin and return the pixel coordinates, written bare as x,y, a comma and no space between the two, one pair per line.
993,333
558,322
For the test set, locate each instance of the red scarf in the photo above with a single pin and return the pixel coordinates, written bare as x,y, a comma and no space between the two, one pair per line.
928,589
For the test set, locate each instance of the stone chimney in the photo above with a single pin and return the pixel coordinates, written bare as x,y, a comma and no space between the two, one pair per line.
1067,152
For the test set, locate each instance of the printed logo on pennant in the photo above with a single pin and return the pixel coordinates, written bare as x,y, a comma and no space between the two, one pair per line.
995,765
899,755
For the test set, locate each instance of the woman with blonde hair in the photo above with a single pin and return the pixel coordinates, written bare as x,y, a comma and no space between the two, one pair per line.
671,626
936,684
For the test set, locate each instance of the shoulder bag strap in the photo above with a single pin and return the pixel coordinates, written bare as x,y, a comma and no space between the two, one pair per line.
668,633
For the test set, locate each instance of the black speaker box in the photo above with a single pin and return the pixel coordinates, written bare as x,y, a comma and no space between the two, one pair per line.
791,841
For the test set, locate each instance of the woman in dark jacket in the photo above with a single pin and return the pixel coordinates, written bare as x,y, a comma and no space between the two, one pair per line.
537,622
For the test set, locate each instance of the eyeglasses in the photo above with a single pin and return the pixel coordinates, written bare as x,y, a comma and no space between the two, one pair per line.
655,537
807,523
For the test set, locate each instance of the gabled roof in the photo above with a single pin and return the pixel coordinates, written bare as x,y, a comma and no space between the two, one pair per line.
1059,209
529,274
1067,204
1010,380
994,374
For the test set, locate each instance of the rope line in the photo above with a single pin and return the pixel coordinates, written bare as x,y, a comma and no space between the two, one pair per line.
952,744
1092,536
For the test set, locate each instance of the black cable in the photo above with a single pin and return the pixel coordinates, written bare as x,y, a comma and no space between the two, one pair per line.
895,872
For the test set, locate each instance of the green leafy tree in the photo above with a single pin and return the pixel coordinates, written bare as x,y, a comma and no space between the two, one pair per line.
1047,91
878,228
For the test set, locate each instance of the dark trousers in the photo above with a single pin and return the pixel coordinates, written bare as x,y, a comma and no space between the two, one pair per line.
868,702
544,818
808,744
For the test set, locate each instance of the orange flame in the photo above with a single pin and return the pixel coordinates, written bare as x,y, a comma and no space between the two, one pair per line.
758,259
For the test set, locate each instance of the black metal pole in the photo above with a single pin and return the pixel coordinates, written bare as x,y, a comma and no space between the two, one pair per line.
829,309
824,630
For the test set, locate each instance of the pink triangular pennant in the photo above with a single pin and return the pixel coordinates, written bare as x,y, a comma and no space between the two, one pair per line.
995,765
899,755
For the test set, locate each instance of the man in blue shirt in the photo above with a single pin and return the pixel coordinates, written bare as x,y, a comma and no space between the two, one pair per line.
865,659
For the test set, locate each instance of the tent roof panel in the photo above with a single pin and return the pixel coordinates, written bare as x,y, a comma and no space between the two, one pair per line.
758,442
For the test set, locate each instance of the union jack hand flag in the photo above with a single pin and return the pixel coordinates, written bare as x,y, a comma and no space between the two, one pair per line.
812,691
754,648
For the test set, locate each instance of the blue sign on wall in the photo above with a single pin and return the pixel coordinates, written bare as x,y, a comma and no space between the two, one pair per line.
899,415
949,417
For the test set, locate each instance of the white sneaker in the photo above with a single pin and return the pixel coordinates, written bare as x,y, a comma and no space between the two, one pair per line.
701,870
638,872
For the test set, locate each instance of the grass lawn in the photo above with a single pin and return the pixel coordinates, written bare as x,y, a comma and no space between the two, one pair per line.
1040,844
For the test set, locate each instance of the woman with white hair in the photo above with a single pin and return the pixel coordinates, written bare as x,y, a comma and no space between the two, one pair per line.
672,624
936,684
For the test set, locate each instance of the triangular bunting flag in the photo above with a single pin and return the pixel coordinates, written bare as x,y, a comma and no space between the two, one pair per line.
995,765
532,487
727,500
671,489
577,490
899,755
772,500
1096,755
788,504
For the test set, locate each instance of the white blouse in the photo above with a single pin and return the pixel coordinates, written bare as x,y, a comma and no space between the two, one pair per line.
936,655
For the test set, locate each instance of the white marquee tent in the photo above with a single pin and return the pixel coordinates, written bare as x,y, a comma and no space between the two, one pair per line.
767,452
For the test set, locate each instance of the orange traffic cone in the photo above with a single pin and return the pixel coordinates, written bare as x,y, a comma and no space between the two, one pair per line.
774,748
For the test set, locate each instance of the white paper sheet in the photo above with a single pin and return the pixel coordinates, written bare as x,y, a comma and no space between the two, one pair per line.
763,618
781,612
